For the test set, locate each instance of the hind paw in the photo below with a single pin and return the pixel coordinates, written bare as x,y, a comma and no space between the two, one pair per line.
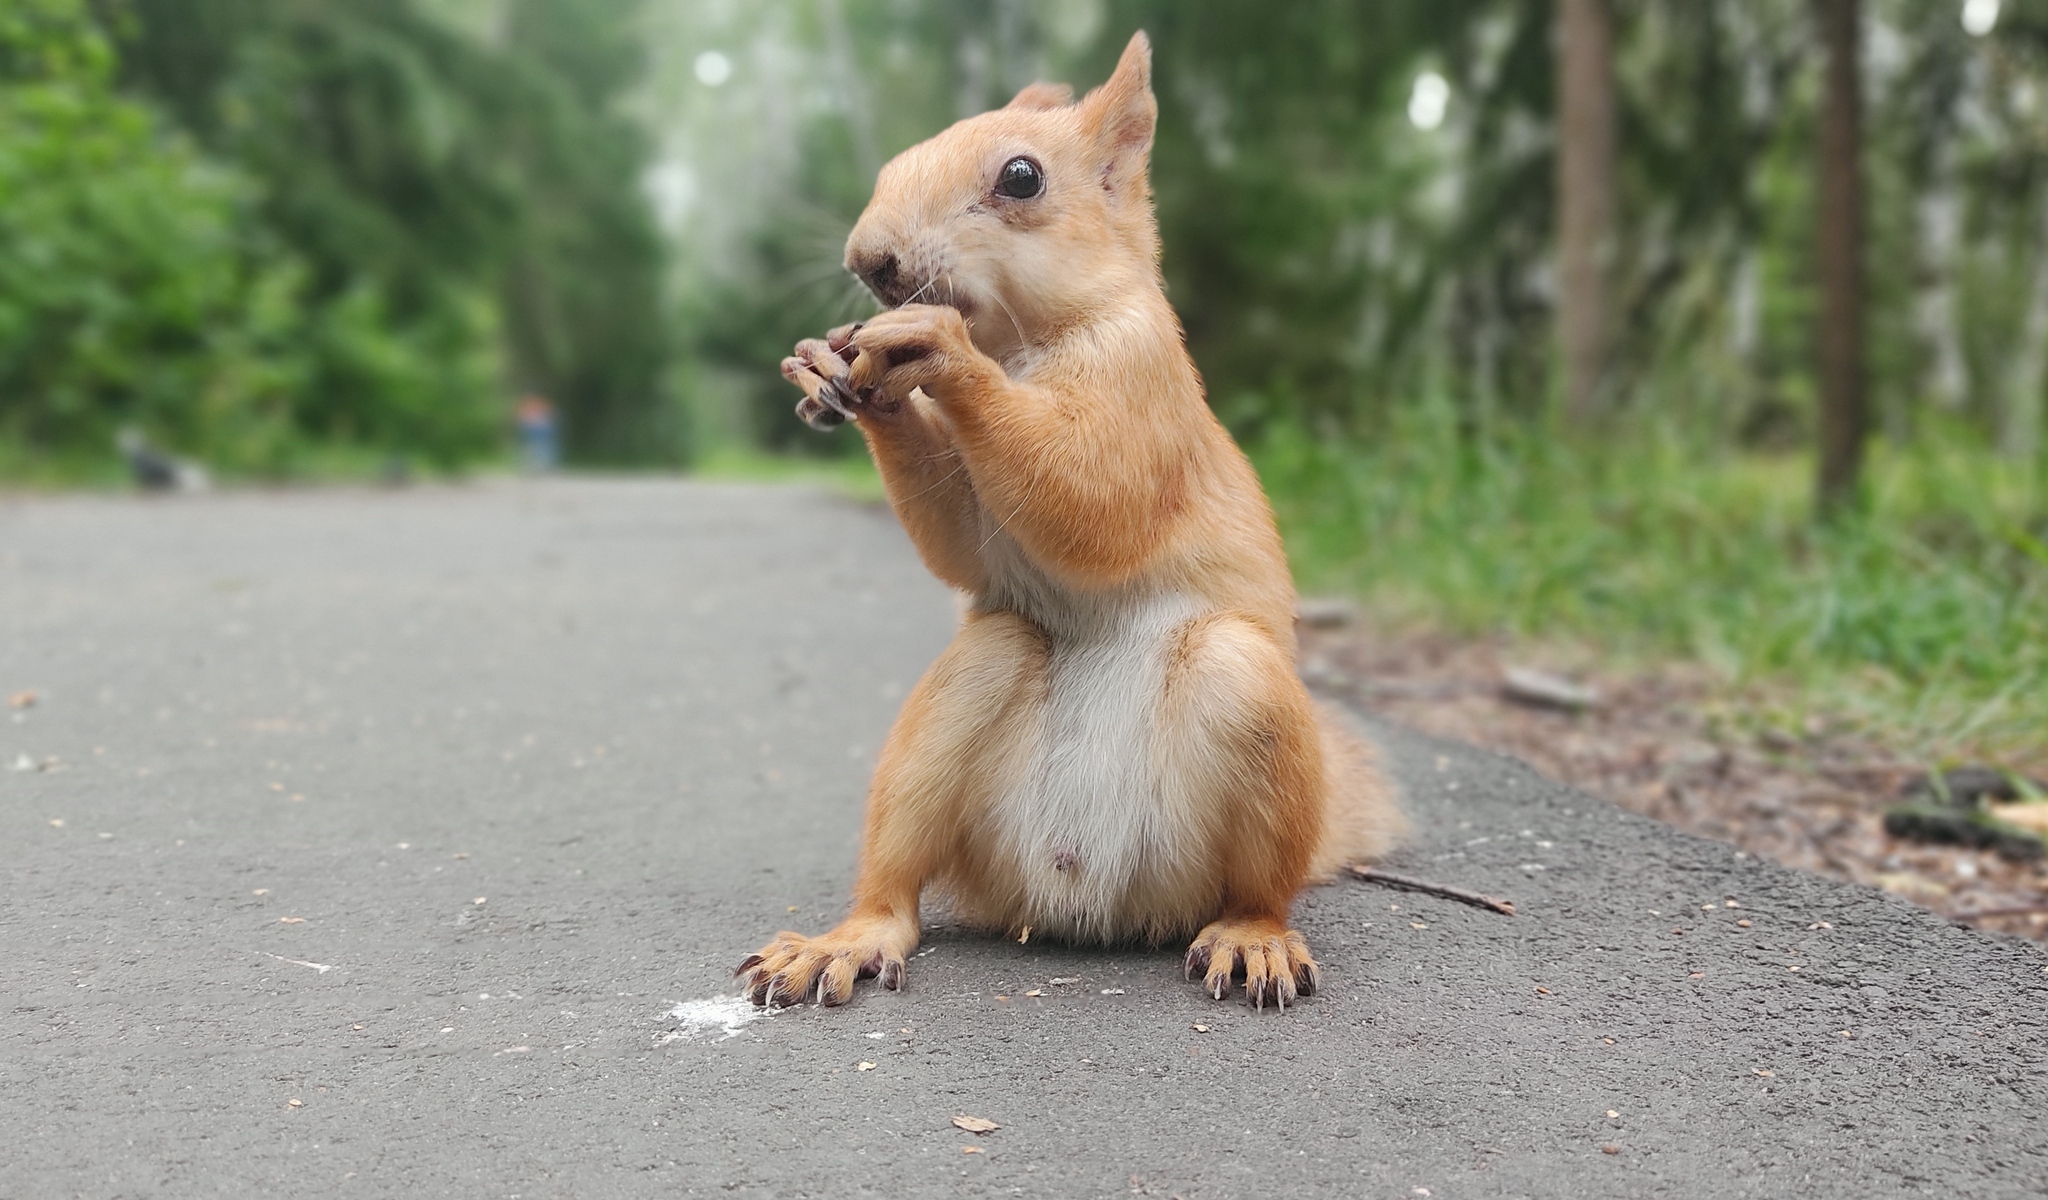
1272,961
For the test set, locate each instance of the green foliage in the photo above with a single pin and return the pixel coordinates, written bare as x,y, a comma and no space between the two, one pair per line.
267,233
473,188
125,295
583,288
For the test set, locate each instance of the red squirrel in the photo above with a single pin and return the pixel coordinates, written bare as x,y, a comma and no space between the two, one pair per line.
1116,747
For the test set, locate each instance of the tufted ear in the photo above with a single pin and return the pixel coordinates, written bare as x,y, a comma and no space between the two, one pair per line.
1043,95
1121,115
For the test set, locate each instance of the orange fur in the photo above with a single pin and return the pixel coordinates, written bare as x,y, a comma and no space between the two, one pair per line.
1116,746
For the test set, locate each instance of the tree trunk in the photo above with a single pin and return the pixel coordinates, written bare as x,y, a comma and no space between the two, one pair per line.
2019,417
1585,197
1844,417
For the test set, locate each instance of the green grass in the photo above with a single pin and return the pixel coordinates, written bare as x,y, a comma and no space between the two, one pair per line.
1922,618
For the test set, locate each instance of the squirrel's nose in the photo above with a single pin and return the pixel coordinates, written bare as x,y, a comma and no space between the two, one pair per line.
878,270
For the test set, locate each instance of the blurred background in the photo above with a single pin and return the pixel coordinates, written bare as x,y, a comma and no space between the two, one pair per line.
1713,331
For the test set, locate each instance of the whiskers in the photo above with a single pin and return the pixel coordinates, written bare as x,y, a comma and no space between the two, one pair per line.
856,303
1014,322
953,292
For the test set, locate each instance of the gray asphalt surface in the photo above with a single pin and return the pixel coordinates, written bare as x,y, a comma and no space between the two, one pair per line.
368,842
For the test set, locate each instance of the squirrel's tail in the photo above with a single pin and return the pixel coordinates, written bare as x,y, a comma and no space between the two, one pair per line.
1362,820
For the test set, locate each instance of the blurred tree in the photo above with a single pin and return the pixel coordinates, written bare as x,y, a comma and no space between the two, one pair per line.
1843,418
584,284
1585,192
129,293
463,188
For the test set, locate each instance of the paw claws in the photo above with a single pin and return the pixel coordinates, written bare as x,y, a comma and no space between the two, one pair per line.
1274,964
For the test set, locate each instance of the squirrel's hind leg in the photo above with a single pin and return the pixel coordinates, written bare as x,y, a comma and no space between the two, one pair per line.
959,731
1240,740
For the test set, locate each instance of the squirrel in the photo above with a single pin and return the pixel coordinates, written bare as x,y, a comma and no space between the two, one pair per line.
1116,747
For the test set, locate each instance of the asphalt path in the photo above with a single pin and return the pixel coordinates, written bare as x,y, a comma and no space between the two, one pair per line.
402,843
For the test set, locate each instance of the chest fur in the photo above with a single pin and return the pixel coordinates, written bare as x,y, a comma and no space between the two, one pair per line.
1095,840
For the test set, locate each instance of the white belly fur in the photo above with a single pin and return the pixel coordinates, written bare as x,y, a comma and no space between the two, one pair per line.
1097,841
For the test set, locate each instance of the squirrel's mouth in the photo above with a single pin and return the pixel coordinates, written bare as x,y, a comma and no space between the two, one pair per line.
895,287
932,291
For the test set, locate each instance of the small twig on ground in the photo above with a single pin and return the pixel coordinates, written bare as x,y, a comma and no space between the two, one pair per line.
1476,899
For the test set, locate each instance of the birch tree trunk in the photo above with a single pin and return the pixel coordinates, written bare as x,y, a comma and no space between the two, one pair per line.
2019,416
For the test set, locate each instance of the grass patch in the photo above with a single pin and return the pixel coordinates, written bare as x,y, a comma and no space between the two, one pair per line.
1923,618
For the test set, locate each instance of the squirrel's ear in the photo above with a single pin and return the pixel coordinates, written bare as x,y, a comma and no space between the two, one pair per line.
1043,95
1121,114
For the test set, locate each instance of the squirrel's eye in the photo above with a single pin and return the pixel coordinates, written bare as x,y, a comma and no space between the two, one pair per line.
1021,179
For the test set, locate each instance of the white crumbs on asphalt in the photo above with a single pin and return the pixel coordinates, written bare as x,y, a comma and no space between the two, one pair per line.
317,968
722,1015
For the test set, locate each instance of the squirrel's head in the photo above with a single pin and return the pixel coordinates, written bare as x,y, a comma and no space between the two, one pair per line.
1027,218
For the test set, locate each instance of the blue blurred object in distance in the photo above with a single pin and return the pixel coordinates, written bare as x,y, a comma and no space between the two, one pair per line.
539,448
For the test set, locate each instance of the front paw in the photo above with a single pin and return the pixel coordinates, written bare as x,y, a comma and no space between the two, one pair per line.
794,968
819,366
1271,959
917,346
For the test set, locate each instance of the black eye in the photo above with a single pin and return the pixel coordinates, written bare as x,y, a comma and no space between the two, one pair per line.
1021,179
